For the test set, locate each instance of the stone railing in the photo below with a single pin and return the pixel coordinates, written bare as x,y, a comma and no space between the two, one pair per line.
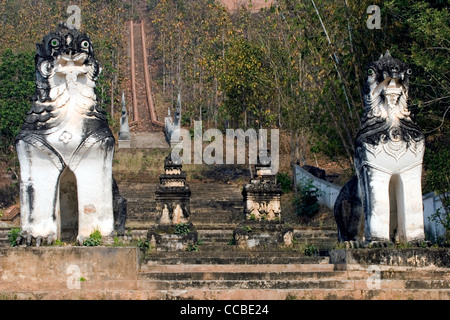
431,203
169,126
330,191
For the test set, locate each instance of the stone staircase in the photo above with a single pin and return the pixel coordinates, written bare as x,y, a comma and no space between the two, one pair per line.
122,273
213,205
216,205
307,278
141,208
215,269
218,270
4,236
216,210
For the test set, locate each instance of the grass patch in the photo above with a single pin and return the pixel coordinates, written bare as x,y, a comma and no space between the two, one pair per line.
13,234
94,239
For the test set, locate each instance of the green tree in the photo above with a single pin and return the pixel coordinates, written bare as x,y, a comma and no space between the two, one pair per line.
16,89
191,38
247,85
301,65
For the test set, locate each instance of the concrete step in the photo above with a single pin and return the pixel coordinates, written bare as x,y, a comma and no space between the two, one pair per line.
230,256
206,196
215,237
216,227
215,188
149,140
240,276
243,284
320,238
285,271
307,233
258,268
287,284
4,237
210,203
206,206
205,213
217,218
223,245
4,242
91,291
137,188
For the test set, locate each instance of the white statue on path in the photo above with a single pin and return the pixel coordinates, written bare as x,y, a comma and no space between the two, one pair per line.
384,201
65,145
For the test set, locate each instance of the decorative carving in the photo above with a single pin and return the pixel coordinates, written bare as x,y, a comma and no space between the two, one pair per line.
124,131
172,194
172,127
262,196
384,201
387,118
65,141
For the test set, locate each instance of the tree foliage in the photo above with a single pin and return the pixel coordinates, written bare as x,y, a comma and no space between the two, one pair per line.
247,85
297,65
16,90
23,23
300,65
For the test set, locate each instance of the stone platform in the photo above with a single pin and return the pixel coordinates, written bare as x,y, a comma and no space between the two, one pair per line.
219,270
125,273
148,140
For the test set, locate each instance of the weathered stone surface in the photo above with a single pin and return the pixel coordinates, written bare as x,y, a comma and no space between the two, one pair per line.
349,212
414,257
53,264
120,210
262,196
164,238
172,195
121,273
65,147
256,234
384,201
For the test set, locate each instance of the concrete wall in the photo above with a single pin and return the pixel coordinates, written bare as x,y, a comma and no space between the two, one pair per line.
329,190
431,202
62,268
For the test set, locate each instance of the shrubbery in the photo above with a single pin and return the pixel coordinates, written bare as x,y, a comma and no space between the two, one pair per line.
306,204
95,239
285,181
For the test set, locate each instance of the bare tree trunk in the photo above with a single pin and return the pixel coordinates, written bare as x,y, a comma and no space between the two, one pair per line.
294,175
112,98
163,62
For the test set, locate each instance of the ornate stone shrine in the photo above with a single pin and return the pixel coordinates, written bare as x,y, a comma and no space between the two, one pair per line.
261,225
65,147
383,202
173,230
262,196
172,195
